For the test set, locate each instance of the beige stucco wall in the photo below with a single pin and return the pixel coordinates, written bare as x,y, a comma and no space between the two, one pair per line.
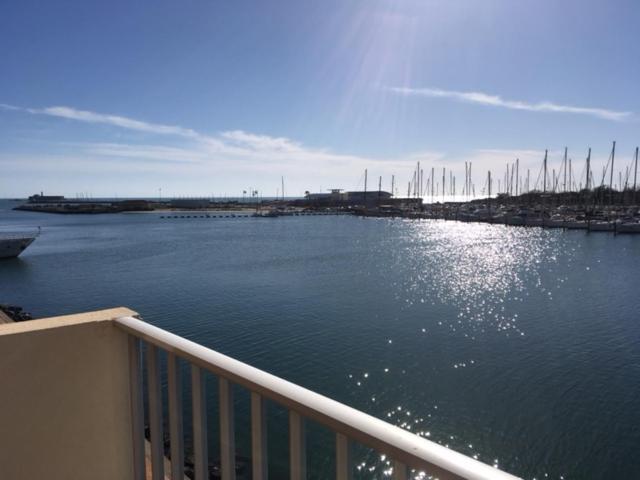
64,399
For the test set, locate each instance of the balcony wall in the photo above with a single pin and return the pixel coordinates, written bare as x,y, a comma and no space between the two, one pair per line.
64,398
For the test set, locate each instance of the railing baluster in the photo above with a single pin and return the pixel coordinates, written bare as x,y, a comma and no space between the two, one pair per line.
227,430
259,437
349,425
155,414
200,452
343,457
176,434
297,447
399,471
137,407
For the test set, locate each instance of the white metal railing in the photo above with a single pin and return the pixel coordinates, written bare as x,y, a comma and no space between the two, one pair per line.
350,425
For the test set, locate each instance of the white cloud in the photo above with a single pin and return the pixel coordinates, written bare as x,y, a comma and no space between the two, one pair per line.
227,161
481,98
261,142
115,120
235,153
4,106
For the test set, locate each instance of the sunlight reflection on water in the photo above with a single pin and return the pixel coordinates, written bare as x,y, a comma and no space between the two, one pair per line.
484,273
479,268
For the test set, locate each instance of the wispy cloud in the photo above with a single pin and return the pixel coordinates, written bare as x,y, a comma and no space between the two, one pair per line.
4,106
106,119
115,120
228,158
236,152
486,99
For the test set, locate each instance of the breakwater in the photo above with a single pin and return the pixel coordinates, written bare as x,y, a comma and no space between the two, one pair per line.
268,214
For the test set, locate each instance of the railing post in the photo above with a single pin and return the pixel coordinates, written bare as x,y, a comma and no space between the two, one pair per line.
155,414
137,407
227,430
297,447
399,471
176,434
259,437
201,462
343,457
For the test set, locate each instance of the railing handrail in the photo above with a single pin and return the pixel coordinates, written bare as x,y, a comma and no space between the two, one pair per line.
399,444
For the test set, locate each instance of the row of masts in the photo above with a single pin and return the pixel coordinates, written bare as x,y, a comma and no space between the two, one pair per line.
516,182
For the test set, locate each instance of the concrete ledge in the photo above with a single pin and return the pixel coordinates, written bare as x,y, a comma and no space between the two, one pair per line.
65,320
65,408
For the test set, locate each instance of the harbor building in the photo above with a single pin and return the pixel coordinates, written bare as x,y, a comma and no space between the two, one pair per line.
338,198
189,203
42,198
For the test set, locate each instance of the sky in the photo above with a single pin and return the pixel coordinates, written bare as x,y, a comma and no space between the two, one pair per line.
210,98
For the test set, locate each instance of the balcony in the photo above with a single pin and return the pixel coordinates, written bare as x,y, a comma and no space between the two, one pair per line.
73,407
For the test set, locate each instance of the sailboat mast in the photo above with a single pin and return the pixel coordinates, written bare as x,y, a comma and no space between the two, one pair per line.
365,186
433,175
635,176
511,180
466,179
564,182
613,156
570,177
414,180
489,188
545,172
588,169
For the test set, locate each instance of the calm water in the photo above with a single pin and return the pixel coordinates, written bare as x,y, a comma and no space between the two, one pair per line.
518,346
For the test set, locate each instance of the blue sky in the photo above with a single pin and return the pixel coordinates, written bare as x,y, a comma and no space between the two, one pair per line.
211,97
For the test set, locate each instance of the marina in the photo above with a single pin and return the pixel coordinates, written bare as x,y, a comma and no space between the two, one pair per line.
379,314
362,240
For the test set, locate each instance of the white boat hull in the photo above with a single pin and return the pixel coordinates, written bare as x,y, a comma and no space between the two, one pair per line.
12,247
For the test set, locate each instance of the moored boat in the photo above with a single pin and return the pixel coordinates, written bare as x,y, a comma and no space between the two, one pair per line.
12,245
575,224
556,221
601,226
628,227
